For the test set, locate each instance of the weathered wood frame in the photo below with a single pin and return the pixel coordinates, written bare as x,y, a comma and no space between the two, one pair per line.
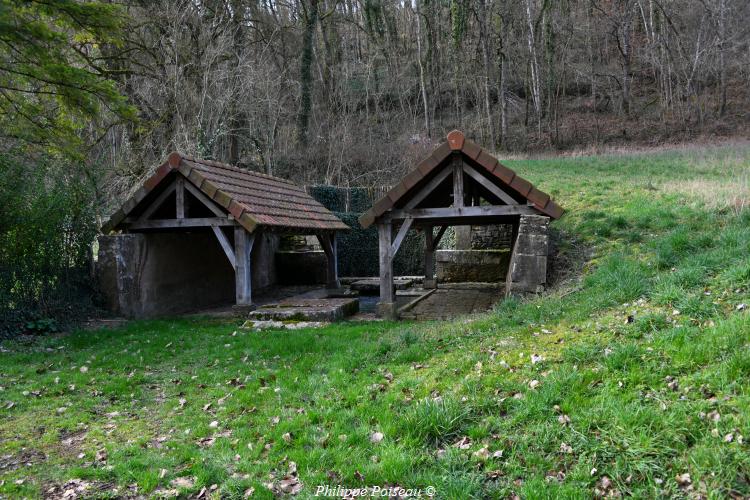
411,215
238,251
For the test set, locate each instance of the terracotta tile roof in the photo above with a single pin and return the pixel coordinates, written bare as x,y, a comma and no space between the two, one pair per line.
476,156
253,199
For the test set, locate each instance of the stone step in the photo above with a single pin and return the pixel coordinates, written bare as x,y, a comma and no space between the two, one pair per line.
303,309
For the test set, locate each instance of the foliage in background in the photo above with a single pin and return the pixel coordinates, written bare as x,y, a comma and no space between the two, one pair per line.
46,229
358,248
54,88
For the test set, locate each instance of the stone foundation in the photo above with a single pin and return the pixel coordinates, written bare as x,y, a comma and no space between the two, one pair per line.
457,266
528,267
157,274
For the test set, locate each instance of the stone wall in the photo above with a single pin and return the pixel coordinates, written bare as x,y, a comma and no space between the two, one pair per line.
156,274
528,267
496,236
460,266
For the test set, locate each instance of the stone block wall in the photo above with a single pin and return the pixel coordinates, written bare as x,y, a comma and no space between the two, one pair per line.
527,272
496,236
460,266
157,274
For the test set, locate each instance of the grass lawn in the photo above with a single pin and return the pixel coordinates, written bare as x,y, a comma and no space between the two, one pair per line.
630,377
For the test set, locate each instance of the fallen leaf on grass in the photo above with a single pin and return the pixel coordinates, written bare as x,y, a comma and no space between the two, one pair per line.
684,480
206,442
463,444
183,482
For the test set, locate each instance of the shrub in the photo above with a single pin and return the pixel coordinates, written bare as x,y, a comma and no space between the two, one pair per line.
47,225
358,248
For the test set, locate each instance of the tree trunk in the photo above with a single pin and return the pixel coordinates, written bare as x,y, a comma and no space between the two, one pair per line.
303,118
422,84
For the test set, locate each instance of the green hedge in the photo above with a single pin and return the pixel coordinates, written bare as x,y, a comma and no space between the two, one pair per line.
358,248
47,224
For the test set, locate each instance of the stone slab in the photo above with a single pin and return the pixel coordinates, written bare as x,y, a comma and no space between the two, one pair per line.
371,286
458,266
295,309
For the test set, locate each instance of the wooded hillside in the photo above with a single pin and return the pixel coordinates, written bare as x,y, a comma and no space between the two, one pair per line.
349,92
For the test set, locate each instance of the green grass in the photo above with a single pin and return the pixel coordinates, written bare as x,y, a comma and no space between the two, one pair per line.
640,351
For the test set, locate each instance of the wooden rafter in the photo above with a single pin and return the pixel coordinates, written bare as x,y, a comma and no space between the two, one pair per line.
488,185
428,188
159,201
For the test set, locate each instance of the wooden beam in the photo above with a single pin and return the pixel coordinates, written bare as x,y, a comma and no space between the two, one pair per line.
178,223
159,201
205,200
459,212
387,306
428,188
429,258
224,242
438,237
400,236
180,197
330,247
489,185
243,247
458,183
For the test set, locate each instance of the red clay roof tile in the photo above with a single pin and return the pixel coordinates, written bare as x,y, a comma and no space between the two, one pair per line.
253,199
457,142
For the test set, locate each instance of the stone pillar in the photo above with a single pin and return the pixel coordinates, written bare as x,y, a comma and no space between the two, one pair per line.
120,260
528,265
463,237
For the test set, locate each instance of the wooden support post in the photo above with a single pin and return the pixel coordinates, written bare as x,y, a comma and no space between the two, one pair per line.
429,259
243,247
180,198
387,304
328,243
458,183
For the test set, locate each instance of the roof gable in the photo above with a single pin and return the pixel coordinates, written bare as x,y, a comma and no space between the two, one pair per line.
475,156
253,199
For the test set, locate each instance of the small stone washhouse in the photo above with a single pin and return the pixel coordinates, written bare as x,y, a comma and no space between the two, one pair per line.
462,185
200,234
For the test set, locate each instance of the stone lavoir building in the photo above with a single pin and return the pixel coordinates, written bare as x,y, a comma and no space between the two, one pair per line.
461,185
200,234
